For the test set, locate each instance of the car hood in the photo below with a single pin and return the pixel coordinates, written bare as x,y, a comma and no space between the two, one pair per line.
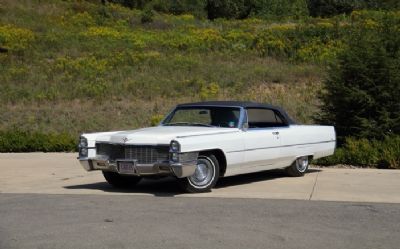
160,134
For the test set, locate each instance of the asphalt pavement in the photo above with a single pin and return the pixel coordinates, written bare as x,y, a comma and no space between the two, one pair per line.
49,201
115,221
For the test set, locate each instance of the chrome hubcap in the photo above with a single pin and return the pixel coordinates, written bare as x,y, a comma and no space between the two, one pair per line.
302,164
203,174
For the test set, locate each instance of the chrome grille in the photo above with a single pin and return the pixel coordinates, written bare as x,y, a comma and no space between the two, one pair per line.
113,151
144,154
147,154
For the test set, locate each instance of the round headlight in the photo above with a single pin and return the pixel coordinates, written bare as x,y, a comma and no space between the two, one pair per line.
175,146
83,142
83,151
175,157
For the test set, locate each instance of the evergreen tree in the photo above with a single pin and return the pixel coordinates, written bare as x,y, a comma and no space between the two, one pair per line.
362,97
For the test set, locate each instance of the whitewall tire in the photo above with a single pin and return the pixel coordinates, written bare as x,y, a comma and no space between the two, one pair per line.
204,178
299,167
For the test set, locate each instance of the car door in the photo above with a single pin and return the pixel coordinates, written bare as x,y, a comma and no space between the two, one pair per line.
262,139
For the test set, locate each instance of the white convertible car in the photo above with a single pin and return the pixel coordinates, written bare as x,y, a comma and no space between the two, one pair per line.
200,142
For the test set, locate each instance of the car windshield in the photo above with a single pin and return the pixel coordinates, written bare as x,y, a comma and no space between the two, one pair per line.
204,116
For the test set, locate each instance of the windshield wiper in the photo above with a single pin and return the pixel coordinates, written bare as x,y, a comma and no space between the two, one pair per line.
177,123
201,124
189,124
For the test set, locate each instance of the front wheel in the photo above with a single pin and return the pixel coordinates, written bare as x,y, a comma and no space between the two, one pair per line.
298,167
205,176
121,181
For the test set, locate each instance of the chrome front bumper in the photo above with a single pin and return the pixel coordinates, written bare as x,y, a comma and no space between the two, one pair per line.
178,169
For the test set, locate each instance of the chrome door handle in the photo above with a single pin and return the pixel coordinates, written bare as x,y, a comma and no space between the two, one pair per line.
275,133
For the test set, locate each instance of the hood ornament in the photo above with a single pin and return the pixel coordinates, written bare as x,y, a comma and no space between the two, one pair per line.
125,139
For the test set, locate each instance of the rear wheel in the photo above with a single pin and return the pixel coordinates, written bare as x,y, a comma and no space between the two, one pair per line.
204,178
298,167
121,181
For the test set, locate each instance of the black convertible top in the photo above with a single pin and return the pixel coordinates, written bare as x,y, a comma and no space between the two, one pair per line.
244,104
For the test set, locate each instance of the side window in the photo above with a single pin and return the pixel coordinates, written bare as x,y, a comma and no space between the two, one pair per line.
262,118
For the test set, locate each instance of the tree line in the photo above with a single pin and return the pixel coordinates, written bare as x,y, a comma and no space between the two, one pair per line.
241,9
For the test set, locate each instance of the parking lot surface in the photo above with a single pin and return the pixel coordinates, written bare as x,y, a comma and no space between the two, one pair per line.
49,201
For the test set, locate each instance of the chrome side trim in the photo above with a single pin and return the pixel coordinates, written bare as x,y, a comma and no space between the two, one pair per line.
281,146
218,133
268,128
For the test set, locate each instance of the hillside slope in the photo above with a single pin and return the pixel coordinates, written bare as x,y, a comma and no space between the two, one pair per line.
79,66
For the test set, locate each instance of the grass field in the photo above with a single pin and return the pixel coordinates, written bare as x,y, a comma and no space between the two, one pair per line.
68,67
79,66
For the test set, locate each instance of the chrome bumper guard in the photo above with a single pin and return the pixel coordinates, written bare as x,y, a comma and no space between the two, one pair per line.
179,169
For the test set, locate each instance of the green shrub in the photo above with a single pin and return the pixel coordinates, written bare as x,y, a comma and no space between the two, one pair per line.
23,141
137,4
14,38
147,15
176,7
82,20
366,153
279,9
390,153
326,8
230,9
363,85
268,9
209,91
156,119
338,158
318,41
179,7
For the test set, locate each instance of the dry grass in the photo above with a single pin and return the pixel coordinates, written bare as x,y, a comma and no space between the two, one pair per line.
90,68
78,116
